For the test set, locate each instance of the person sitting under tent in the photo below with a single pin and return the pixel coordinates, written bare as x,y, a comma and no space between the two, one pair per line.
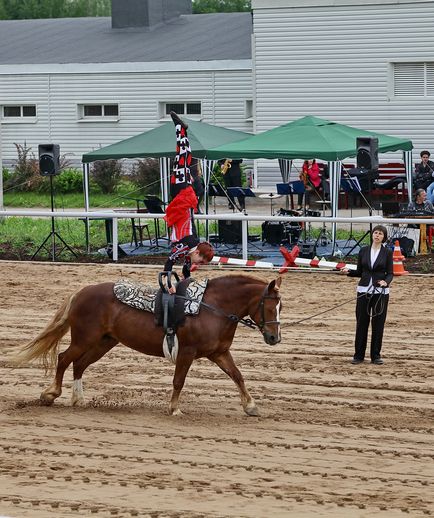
311,178
180,211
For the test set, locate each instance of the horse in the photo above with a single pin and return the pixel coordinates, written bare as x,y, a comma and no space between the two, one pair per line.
98,321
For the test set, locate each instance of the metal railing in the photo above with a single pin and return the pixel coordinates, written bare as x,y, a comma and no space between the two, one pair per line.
244,218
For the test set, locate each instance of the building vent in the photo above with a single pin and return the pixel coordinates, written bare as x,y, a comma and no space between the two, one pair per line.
147,13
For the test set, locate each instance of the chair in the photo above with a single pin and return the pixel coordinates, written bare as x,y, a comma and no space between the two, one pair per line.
139,228
351,185
154,206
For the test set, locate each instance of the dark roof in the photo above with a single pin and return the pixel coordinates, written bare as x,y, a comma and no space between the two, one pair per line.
194,37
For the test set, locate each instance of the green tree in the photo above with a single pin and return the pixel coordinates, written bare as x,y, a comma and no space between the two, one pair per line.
221,6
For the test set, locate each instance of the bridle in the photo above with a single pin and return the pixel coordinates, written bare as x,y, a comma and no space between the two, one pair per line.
261,308
246,321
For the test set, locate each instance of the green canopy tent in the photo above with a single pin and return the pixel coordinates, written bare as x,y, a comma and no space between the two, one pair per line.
308,137
160,143
312,137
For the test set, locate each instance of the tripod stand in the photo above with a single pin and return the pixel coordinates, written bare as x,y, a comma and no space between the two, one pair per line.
53,234
352,185
324,238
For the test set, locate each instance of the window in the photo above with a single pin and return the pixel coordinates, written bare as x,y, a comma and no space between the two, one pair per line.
413,79
190,108
98,111
19,111
248,109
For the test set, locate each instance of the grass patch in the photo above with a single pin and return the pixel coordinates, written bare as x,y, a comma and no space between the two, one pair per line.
21,237
66,201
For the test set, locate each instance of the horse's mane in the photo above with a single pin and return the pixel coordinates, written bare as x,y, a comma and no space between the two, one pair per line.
238,278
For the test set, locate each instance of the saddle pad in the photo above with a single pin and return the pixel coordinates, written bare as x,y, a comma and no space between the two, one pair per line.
142,297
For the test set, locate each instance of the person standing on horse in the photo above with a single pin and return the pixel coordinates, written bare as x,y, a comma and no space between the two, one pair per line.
180,211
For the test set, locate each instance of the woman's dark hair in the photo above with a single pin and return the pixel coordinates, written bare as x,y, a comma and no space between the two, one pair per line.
425,152
382,229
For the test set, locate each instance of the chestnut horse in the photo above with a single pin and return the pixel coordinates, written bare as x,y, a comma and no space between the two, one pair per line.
99,321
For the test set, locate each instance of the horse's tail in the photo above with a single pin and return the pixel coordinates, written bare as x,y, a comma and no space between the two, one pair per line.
45,346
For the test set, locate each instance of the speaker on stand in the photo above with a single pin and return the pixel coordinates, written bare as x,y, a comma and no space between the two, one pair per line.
49,165
367,153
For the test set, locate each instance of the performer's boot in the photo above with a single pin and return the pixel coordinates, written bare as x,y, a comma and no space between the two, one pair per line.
177,120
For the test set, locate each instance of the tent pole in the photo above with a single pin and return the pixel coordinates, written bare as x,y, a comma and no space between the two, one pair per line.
408,162
335,178
206,173
86,203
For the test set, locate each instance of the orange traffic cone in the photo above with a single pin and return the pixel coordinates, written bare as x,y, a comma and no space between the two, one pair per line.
398,266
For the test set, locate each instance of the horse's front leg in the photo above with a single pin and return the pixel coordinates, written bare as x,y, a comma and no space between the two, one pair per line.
227,364
183,363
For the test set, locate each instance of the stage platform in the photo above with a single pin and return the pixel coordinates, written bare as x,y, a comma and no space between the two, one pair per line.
257,249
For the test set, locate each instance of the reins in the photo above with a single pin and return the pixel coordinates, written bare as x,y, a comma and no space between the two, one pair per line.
248,322
380,302
245,321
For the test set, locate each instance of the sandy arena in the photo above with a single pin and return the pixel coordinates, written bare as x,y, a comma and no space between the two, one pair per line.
332,440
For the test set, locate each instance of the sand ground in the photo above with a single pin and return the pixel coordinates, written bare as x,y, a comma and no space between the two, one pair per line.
332,440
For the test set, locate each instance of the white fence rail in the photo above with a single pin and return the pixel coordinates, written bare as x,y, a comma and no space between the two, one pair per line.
115,216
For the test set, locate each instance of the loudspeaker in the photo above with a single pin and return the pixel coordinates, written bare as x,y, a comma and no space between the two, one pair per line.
367,152
49,159
230,231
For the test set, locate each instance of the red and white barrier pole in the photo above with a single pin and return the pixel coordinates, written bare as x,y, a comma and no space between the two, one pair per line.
241,262
292,260
222,261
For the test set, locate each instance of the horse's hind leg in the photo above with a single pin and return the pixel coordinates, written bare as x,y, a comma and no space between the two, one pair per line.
227,364
91,355
63,361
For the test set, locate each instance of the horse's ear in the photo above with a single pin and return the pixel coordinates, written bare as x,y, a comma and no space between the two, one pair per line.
275,285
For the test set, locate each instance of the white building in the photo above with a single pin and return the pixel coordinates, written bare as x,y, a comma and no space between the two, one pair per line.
84,83
365,63
89,82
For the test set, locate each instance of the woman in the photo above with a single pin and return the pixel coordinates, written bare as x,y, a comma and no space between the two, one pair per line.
311,178
375,269
179,212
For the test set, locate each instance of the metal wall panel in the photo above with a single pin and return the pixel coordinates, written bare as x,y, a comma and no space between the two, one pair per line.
334,61
222,94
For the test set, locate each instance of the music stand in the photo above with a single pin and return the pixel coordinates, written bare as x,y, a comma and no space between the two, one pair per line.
285,190
323,236
296,187
215,190
239,192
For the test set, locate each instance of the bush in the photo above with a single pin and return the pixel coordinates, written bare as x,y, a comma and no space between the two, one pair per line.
145,175
69,180
107,174
6,175
26,175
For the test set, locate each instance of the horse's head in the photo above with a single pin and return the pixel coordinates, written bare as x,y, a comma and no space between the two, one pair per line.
267,313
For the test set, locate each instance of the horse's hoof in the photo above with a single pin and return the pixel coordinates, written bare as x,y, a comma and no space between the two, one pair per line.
176,412
251,411
78,402
47,399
